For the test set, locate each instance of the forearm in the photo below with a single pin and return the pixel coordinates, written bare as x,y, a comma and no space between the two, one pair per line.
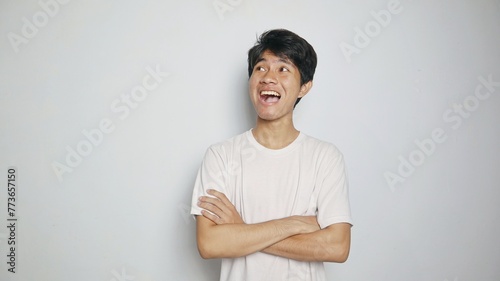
236,240
322,245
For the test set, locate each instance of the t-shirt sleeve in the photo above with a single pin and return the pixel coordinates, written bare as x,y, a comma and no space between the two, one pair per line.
210,176
333,198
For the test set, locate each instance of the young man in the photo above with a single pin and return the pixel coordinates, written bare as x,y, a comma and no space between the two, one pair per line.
273,202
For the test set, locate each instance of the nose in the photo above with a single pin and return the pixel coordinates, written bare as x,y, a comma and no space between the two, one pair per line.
269,77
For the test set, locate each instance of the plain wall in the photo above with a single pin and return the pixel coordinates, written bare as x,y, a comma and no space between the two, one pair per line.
401,88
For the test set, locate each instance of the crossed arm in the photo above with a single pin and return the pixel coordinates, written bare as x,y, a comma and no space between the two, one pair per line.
221,233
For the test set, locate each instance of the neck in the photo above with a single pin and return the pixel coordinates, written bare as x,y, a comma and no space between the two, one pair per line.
275,134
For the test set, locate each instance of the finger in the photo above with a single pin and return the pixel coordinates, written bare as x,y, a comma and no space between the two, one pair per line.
221,196
228,213
210,207
213,201
211,217
215,206
216,202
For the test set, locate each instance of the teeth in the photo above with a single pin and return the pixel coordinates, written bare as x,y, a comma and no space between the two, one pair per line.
270,93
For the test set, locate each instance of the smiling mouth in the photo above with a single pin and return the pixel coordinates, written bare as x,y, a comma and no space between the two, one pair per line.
270,96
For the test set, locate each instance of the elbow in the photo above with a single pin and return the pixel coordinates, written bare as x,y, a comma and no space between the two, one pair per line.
206,247
337,254
342,257
205,255
206,252
214,251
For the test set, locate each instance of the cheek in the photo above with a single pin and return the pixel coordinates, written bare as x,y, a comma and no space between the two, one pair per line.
252,78
293,85
252,83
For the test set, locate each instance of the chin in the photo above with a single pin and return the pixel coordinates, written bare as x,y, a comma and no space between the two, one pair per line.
267,117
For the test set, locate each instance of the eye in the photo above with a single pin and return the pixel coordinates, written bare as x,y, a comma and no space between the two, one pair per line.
259,68
284,69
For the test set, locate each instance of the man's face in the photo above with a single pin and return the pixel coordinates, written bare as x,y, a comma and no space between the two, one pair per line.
274,87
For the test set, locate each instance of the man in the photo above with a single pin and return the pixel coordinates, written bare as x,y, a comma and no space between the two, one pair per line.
273,202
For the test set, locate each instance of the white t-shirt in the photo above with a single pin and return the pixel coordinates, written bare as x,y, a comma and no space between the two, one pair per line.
305,178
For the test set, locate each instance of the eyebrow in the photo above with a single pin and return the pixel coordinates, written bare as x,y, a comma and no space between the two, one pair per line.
283,60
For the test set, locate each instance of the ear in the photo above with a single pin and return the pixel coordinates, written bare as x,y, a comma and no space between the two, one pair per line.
304,89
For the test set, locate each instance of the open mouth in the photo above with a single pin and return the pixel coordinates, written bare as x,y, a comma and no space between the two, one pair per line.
270,96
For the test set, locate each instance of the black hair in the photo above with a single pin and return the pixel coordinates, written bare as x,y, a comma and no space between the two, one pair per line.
287,45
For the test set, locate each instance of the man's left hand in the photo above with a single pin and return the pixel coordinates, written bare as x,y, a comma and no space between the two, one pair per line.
218,208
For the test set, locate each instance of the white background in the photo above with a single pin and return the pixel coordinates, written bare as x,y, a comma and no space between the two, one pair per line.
122,213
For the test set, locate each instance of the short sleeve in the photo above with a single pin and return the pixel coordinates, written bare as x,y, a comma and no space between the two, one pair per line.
210,175
333,198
